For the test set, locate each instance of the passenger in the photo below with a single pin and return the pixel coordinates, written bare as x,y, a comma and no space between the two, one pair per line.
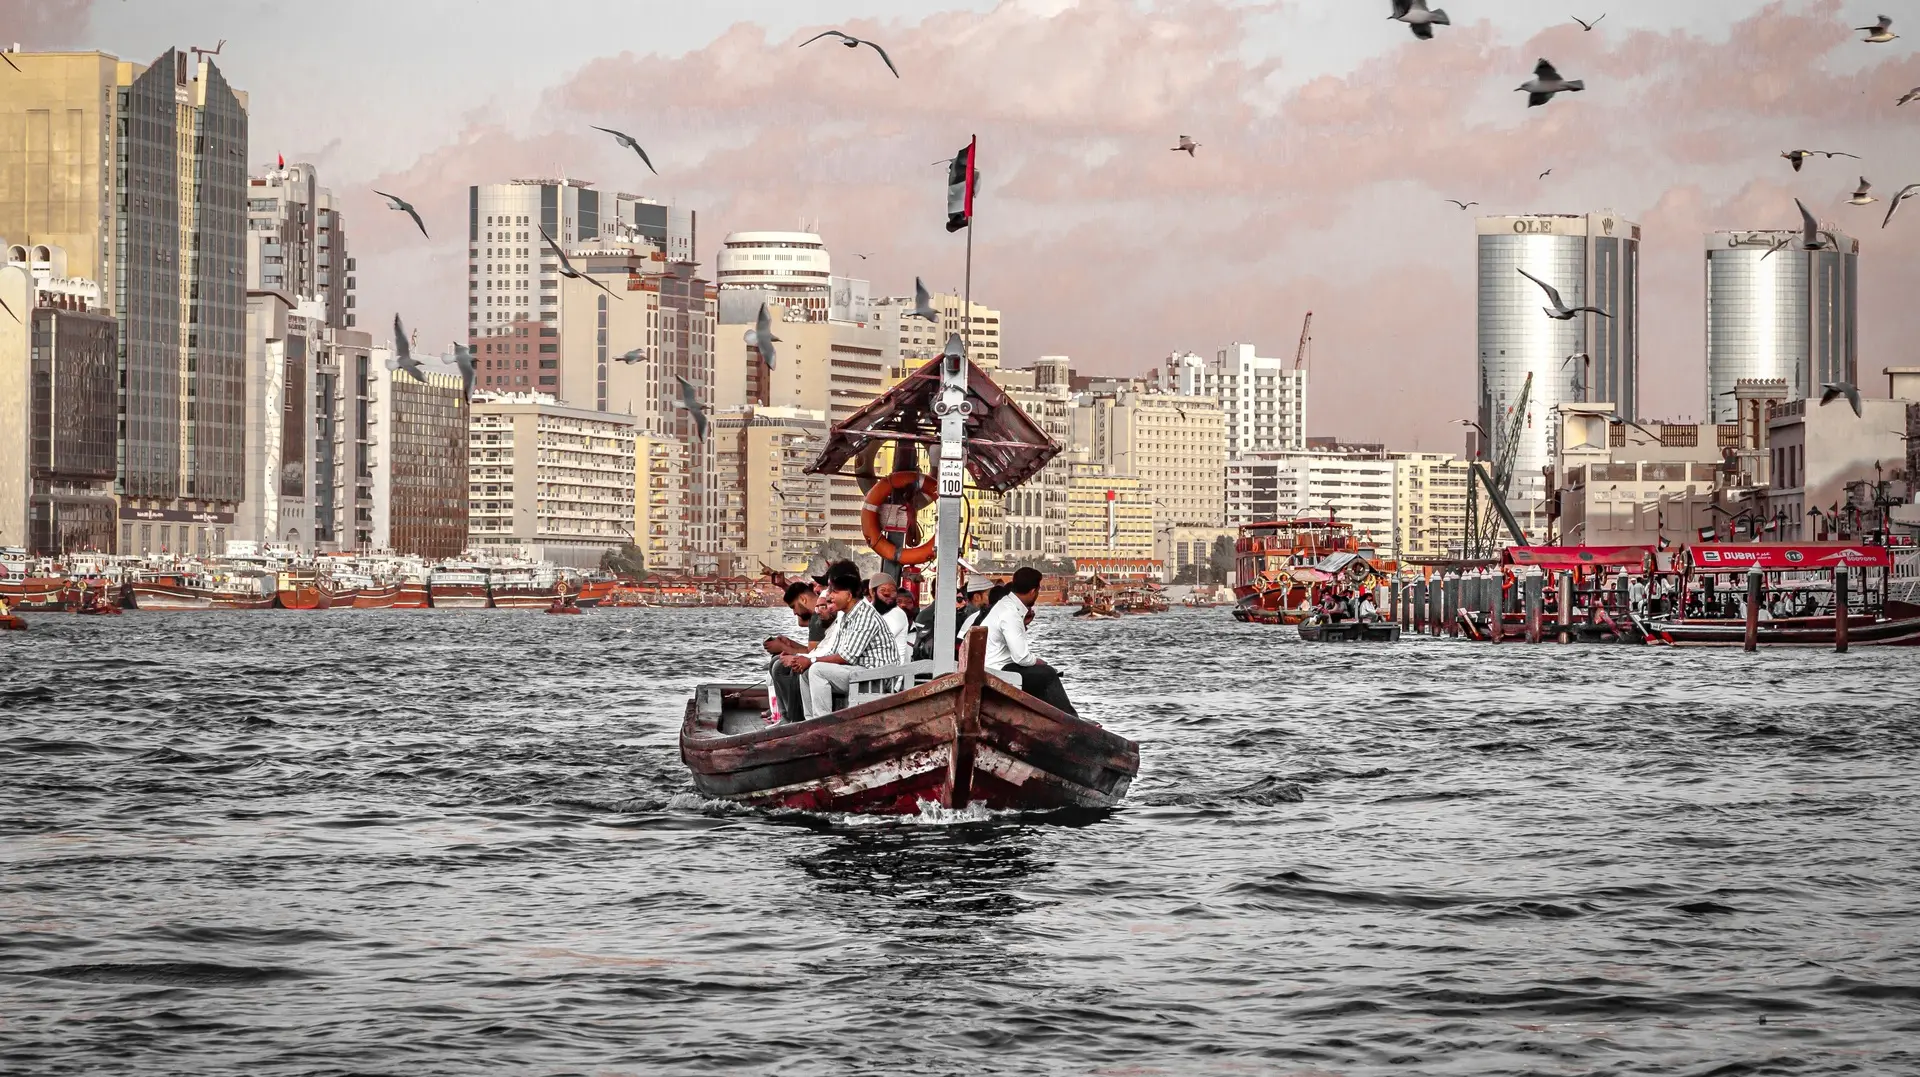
1368,611
1007,646
885,594
982,592
862,641
787,686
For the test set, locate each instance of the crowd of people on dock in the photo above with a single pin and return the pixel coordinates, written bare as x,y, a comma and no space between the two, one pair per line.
847,627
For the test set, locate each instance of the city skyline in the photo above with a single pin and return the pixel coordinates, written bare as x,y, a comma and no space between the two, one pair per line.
1312,190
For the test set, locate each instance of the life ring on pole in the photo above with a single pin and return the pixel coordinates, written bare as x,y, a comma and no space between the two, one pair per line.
877,540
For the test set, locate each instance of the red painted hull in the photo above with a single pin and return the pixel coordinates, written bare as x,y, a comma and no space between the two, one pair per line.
10,623
33,593
460,596
1862,631
413,596
509,597
177,596
377,598
304,596
593,592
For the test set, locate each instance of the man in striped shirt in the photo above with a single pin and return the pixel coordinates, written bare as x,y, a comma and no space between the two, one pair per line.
865,642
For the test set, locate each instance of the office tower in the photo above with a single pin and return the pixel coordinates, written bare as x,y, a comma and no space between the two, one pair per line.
1790,314
911,341
420,467
791,267
1592,260
142,181
1263,400
57,407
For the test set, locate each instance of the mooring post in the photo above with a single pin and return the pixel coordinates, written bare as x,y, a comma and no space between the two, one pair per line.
1565,607
1840,625
1393,604
1535,585
1451,608
1754,579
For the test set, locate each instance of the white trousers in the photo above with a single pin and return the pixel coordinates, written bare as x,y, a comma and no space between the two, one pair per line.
823,678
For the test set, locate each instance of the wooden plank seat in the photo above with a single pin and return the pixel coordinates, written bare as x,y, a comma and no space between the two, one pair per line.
886,680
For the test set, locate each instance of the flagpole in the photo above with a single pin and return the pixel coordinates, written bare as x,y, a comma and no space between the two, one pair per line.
966,302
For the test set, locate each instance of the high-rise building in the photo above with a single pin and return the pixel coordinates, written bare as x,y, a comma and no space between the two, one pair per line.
1110,522
1033,517
773,511
143,184
792,267
1176,446
57,407
555,480
1592,260
1262,400
419,463
910,341
1782,313
1430,504
1355,486
660,501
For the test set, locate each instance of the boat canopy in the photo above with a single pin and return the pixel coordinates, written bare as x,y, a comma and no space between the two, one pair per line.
1336,563
1577,556
1816,556
1005,447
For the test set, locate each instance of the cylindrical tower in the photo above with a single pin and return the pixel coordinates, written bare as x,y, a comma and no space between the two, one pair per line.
1789,315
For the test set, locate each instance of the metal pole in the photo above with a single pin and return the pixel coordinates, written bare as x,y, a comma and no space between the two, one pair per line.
1565,607
952,407
1840,625
1754,580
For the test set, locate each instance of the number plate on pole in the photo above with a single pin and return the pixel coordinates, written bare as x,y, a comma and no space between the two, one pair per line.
952,478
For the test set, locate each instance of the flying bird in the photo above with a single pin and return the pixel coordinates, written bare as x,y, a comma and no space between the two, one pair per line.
690,399
1186,143
1559,311
1906,192
1545,174
1546,82
1908,96
1418,19
1860,195
1571,358
403,352
853,43
923,303
1585,25
566,267
463,358
1779,244
9,310
631,357
761,337
1462,205
9,60
1880,32
1834,390
629,142
1799,157
394,201
1811,233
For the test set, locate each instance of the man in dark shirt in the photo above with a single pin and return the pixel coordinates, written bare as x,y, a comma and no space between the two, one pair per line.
788,686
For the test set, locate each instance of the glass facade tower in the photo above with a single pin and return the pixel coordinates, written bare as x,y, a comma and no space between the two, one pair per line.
1791,315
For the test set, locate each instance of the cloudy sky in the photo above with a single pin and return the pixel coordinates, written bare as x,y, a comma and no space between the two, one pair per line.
1330,138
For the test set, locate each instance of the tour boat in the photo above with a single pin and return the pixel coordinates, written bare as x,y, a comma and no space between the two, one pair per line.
29,586
593,592
1317,631
966,737
302,590
1873,619
10,623
458,586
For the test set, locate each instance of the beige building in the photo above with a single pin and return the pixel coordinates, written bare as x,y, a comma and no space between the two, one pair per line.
1354,485
1430,504
1186,552
559,480
775,510
660,501
1033,518
1850,468
1176,446
911,341
1109,517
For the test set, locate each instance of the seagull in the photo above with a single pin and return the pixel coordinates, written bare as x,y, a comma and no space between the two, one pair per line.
1779,244
1571,358
1545,174
760,337
1834,390
631,357
1909,96
394,201
1545,83
1559,311
1186,143
566,267
853,43
9,60
9,310
1880,32
923,304
463,358
1462,205
1418,19
690,399
629,142
1906,192
1585,25
403,352
1860,196
1811,232
1799,157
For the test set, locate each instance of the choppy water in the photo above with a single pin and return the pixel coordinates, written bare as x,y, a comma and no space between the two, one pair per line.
451,842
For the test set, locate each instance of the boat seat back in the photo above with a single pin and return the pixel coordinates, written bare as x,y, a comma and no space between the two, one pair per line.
886,680
1011,676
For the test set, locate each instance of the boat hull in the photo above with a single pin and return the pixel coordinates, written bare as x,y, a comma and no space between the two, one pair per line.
413,596
1862,631
304,596
518,598
960,740
44,594
169,596
377,598
1350,632
460,596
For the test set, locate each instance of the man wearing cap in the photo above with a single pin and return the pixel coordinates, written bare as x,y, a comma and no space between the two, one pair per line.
975,611
862,642
1007,646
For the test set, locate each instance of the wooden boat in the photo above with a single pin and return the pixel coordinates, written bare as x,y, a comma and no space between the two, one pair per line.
1139,600
1863,630
969,737
379,596
176,591
33,593
593,592
459,587
1349,632
563,609
302,591
1875,621
413,595
99,609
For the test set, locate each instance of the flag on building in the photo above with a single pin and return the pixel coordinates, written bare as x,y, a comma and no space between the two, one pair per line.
961,178
1707,534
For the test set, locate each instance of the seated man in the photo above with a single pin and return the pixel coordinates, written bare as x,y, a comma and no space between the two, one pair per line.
885,596
862,642
788,688
981,595
1007,647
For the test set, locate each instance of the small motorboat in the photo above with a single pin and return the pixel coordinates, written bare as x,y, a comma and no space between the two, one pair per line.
1319,631
12,623
98,609
560,608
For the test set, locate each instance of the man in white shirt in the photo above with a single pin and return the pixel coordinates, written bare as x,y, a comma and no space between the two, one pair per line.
884,593
1007,646
860,642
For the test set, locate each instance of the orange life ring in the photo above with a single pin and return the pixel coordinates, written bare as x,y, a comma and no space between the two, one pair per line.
870,517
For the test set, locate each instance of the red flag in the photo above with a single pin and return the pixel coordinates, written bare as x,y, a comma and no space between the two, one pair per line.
961,178
283,161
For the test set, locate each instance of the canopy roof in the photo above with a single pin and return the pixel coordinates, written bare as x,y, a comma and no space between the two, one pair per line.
1005,447
1577,556
1738,557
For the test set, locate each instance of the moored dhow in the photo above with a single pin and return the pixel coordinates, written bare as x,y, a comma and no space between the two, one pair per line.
459,586
203,591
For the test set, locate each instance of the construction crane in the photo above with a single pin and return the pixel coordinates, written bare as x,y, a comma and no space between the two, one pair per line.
1485,520
1300,353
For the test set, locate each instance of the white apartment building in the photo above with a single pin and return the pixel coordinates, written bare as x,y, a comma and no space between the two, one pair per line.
550,477
1431,505
1263,400
1033,518
1353,487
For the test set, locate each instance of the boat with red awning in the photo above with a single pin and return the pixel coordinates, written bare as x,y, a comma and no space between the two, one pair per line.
1801,577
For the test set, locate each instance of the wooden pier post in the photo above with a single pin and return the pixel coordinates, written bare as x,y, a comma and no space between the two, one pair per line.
1565,607
1840,625
1535,585
1393,604
1450,606
1436,585
1754,579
